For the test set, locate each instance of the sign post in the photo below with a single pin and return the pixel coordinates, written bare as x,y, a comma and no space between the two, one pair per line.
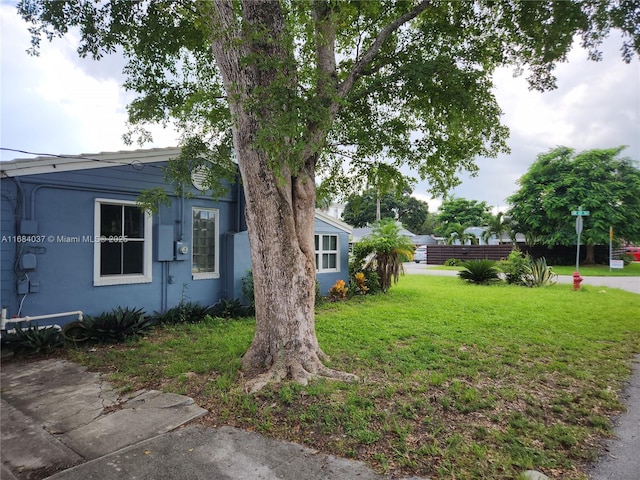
579,224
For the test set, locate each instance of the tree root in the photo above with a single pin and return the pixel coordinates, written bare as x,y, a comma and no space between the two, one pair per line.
296,372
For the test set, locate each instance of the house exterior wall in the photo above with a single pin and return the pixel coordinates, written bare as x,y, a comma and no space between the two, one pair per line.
48,229
59,210
327,279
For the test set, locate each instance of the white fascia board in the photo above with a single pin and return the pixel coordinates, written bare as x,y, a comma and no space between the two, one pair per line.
334,222
65,163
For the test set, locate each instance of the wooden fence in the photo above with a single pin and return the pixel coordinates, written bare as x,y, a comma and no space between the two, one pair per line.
559,255
438,254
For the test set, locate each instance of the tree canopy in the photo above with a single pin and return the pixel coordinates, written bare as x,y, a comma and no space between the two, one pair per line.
360,210
561,180
466,213
325,89
408,82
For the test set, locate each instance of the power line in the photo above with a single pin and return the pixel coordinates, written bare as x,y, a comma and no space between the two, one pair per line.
78,157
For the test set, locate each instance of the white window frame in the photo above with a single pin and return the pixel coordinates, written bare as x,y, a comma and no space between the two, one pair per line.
216,272
147,261
320,251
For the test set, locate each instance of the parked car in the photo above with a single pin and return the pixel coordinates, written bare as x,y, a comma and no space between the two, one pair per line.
420,255
635,251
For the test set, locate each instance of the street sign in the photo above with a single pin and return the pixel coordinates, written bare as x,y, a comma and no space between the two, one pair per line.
580,212
579,222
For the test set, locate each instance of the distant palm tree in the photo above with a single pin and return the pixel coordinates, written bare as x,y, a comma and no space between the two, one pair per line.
455,231
391,250
495,226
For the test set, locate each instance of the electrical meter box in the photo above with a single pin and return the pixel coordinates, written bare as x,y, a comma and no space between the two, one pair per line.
164,243
182,251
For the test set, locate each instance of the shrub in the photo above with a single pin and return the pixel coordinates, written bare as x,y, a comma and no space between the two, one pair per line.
372,280
248,292
118,325
228,308
627,258
452,262
184,312
514,267
360,284
539,274
338,291
479,271
35,340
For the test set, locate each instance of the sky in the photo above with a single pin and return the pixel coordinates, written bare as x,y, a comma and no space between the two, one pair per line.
58,103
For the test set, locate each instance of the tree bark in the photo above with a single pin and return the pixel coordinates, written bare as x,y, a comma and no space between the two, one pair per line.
256,60
590,259
280,204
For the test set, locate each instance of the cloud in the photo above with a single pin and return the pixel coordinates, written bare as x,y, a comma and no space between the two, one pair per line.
59,103
595,105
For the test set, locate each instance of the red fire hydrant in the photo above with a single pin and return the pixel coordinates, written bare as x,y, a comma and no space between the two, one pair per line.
577,279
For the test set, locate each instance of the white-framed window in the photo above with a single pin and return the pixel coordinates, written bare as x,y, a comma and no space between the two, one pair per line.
327,253
122,243
205,248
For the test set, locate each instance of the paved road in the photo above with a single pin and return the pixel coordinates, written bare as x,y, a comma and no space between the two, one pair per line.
630,284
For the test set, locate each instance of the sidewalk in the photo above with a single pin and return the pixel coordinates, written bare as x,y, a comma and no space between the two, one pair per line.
630,284
622,460
60,420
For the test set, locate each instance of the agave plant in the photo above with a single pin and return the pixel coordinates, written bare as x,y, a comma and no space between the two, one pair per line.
479,271
539,274
185,312
118,325
35,340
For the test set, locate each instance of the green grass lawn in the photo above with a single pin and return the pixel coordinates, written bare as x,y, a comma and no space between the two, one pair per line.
456,380
631,270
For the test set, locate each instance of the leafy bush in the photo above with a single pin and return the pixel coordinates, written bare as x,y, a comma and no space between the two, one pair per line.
228,308
515,267
34,340
452,262
360,284
184,312
627,258
338,291
539,274
479,271
117,326
372,280
248,292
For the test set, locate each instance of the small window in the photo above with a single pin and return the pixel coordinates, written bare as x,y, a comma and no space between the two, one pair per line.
122,243
204,251
326,253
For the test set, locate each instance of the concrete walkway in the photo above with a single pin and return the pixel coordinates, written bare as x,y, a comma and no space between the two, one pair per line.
622,460
58,419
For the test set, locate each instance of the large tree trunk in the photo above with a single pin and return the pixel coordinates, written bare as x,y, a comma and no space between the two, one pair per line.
280,201
590,259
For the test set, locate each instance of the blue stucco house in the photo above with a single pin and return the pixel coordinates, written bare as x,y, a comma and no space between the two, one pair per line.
73,238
